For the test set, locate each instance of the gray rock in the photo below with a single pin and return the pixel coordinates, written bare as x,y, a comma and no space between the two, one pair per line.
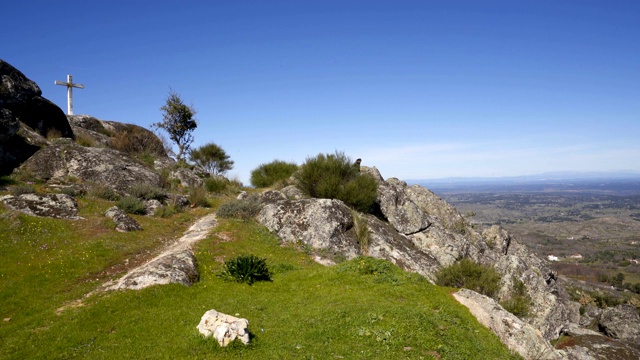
151,206
124,222
9,125
62,160
621,322
400,209
243,195
187,177
512,332
178,267
319,223
59,206
292,192
21,102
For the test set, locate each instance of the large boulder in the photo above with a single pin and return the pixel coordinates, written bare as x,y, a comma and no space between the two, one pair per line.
621,322
21,102
63,160
516,334
175,267
319,223
58,206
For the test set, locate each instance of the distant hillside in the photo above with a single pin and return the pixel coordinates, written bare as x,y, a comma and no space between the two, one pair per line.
613,183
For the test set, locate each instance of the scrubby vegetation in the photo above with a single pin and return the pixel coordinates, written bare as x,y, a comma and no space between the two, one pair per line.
240,209
104,192
334,176
519,304
467,274
145,191
131,205
272,173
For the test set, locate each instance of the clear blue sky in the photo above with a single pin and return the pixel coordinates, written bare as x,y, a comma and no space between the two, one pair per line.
420,89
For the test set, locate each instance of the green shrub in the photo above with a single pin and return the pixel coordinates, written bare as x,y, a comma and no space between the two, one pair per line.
146,191
131,205
104,192
18,190
519,303
167,210
271,173
334,176
246,269
198,197
467,274
6,180
216,184
240,209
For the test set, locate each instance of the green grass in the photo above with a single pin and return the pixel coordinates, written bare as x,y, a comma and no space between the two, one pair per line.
361,309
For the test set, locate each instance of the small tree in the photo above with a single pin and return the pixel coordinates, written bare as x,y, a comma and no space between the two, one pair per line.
178,122
211,158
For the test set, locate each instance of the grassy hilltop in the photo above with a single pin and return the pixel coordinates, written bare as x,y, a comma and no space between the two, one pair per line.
360,309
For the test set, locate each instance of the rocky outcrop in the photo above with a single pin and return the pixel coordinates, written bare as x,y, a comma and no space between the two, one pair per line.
22,105
124,222
58,206
224,328
422,233
513,332
65,159
621,322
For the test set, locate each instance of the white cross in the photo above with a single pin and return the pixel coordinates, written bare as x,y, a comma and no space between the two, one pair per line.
70,85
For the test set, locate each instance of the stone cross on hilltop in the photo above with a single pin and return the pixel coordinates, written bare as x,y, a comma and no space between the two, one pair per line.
70,85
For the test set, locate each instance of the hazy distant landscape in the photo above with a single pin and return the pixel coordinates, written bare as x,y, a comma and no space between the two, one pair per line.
591,223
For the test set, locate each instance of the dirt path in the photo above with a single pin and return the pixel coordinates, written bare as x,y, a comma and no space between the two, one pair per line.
174,254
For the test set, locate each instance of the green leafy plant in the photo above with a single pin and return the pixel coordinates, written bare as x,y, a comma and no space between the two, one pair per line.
212,159
240,209
271,173
468,274
131,205
334,176
246,269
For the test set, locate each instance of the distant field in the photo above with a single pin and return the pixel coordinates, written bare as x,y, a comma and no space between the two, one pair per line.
598,220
